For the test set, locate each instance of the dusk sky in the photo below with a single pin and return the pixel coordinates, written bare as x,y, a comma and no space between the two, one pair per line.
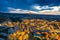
19,6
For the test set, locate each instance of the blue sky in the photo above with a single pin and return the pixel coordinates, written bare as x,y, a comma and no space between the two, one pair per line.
30,5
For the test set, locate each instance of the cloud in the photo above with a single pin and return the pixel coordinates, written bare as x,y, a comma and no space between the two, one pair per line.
55,10
46,7
40,8
13,10
37,5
